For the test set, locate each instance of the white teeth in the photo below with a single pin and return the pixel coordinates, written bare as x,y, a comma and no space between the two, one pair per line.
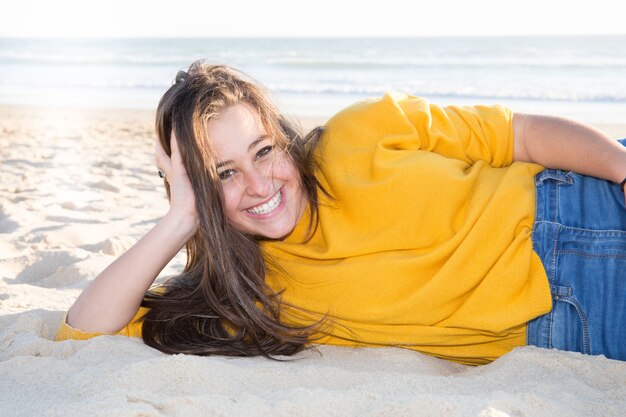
267,207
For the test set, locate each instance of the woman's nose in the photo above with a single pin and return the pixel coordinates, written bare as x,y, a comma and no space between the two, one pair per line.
257,183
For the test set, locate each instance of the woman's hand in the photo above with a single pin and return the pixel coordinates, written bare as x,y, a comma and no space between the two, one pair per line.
182,198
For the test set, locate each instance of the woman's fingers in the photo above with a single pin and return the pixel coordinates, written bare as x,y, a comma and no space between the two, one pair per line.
182,198
161,159
176,160
171,167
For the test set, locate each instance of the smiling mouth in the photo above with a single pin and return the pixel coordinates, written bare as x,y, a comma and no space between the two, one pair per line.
268,207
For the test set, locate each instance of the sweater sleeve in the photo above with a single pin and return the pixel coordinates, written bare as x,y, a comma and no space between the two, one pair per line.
468,133
401,122
132,329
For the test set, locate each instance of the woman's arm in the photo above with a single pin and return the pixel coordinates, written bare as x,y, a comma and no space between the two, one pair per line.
114,296
560,143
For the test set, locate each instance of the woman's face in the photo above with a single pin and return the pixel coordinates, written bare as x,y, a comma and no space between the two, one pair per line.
261,185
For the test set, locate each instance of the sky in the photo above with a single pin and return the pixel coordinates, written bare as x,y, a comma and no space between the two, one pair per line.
295,18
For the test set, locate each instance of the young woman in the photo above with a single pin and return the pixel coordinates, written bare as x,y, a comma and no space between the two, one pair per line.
399,223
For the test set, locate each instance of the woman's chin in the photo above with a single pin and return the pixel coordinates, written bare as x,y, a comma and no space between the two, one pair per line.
275,233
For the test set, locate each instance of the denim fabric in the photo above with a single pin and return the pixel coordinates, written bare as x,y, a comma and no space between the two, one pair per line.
580,236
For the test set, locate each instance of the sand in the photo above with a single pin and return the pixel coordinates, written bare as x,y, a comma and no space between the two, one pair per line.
78,187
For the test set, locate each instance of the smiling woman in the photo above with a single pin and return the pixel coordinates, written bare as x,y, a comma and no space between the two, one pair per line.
400,223
235,171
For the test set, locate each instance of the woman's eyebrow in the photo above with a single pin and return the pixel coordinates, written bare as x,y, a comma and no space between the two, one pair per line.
250,147
257,141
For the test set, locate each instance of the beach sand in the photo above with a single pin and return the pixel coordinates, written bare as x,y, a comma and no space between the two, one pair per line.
78,187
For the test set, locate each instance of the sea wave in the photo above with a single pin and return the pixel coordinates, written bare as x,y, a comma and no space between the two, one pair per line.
473,93
316,63
362,89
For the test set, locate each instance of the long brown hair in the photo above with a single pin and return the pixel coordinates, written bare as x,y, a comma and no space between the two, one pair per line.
220,304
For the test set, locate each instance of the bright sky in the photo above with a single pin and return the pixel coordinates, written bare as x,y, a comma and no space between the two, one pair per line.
198,18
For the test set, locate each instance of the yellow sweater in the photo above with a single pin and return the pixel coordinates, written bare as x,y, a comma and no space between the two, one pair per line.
427,243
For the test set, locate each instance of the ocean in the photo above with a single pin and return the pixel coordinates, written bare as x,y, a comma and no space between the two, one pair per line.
580,77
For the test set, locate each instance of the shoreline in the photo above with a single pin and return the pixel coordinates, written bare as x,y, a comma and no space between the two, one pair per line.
85,115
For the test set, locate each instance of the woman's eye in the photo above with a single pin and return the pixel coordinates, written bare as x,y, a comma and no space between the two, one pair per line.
226,174
264,151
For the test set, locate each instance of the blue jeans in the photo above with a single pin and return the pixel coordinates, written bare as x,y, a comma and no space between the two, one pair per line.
580,236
